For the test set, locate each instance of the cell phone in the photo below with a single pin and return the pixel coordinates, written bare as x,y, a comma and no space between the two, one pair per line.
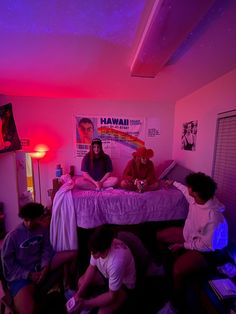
72,305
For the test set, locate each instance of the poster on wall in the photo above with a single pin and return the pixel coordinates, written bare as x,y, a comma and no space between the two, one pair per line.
153,128
9,139
189,135
117,134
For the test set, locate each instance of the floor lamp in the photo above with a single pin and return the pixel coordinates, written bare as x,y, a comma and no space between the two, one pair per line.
37,156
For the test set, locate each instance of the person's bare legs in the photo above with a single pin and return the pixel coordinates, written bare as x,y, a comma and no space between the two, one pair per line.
84,184
24,300
121,298
166,237
189,263
98,281
110,182
69,260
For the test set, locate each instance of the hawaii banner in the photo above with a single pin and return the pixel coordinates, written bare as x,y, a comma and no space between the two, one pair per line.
117,134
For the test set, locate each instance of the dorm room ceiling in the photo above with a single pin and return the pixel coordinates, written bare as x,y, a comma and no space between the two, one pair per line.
115,50
169,23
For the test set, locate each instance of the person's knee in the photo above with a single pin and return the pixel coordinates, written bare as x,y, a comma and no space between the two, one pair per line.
123,184
160,237
72,255
179,272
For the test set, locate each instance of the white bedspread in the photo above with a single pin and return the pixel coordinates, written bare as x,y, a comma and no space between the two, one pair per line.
63,228
123,207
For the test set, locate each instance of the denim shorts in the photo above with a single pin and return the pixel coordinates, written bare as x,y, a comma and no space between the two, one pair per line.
16,285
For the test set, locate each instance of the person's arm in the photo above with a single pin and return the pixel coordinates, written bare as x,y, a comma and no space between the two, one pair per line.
107,175
11,268
128,173
184,190
115,275
87,176
109,168
47,250
101,300
85,281
184,141
212,236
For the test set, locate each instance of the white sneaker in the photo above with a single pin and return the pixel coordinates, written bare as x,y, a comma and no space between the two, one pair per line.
168,309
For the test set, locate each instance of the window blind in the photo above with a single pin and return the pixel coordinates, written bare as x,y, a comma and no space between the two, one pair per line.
224,167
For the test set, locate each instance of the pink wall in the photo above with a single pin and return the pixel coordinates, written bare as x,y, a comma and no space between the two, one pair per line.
203,105
52,122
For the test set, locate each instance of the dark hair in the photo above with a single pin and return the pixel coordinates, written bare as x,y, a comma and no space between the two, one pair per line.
101,239
97,141
91,152
202,184
31,211
85,120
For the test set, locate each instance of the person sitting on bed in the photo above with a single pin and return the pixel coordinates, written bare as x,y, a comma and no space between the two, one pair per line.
139,174
112,266
28,258
96,167
205,230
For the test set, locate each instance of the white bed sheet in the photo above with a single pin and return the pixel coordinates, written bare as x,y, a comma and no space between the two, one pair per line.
122,207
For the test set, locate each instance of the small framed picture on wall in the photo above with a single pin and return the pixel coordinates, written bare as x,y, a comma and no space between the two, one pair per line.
189,135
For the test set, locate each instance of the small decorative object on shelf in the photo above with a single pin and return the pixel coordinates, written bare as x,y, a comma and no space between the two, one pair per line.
58,171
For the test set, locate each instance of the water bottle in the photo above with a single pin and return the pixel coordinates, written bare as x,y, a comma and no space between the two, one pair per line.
58,171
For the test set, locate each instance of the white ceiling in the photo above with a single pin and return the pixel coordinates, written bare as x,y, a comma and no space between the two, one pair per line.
84,49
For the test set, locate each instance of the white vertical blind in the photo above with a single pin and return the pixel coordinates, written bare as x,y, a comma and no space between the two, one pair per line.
224,168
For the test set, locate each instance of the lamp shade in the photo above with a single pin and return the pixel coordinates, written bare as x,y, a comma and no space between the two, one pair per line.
37,155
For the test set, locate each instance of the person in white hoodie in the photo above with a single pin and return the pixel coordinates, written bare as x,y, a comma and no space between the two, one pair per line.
205,230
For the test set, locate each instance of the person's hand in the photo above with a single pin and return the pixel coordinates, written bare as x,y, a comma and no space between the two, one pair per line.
43,274
98,185
145,182
140,185
176,247
34,276
82,304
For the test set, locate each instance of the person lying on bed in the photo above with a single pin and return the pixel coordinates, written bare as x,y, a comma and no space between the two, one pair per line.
192,246
28,258
111,266
139,174
96,167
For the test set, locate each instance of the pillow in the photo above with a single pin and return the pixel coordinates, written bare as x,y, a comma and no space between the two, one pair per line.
178,173
164,168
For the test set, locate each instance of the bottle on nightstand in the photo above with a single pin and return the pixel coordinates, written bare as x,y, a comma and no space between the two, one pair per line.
58,171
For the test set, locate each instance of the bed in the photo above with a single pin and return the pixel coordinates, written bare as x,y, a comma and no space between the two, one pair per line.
120,207
74,208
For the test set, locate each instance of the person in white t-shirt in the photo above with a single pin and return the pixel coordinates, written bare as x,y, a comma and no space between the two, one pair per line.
205,230
112,261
